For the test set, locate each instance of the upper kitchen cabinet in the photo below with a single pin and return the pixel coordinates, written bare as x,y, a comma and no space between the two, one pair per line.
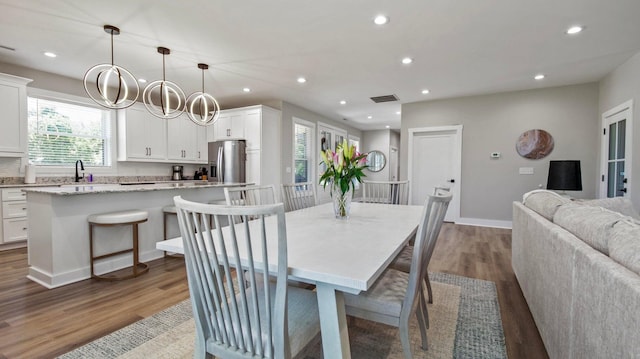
229,125
13,121
142,137
186,142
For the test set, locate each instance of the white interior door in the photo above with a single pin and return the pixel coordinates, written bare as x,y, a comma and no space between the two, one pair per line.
616,151
435,160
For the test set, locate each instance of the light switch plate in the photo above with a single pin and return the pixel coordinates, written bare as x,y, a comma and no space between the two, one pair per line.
526,170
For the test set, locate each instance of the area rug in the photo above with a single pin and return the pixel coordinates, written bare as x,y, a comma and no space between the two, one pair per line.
464,323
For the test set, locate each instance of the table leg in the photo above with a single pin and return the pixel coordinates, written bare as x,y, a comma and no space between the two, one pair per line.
333,322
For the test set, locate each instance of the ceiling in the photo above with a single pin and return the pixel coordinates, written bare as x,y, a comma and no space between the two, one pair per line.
460,48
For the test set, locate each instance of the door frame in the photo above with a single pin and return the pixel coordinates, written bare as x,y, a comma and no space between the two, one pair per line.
627,107
457,168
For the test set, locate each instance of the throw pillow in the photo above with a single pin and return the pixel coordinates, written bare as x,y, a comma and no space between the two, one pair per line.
593,225
617,204
544,202
624,245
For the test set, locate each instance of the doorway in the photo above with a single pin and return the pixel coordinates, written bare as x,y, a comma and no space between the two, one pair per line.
435,159
615,153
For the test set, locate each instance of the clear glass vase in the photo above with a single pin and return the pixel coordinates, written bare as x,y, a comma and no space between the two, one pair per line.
342,203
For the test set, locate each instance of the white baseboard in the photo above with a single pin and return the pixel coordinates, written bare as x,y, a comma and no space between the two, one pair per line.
479,222
50,281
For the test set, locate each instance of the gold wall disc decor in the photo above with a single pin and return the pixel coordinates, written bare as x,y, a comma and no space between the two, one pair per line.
534,144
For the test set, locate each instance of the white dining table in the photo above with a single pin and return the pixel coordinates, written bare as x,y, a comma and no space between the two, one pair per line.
339,256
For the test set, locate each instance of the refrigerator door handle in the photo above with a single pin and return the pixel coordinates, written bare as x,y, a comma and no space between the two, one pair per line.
220,165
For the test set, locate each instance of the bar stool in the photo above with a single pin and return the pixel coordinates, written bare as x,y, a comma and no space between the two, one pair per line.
120,218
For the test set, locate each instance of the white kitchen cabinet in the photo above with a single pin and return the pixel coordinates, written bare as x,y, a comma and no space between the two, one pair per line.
185,141
262,133
253,128
142,137
229,125
13,122
202,148
13,227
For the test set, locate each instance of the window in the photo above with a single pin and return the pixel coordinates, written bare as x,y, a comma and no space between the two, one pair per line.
302,158
60,133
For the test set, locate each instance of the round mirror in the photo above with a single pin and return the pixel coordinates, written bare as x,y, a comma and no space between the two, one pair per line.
376,161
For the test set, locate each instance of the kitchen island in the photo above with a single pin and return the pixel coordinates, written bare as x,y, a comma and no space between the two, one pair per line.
58,244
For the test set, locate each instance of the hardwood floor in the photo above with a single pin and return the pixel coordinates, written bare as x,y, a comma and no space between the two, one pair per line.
39,323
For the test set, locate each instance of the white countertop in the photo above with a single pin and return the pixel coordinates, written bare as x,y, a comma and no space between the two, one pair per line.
98,188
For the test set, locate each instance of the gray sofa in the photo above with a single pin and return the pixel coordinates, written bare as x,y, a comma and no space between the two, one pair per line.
578,264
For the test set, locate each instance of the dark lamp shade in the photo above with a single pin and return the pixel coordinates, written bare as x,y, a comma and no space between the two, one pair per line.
564,176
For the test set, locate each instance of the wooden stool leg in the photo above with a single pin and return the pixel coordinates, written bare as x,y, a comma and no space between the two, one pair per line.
135,250
165,229
91,247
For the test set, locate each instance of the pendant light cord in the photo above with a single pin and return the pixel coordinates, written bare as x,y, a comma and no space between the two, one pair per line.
164,78
202,80
112,48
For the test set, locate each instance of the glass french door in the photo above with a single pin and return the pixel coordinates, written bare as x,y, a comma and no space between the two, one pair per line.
617,151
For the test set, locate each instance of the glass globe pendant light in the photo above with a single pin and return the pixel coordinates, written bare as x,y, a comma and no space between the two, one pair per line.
202,108
169,97
114,87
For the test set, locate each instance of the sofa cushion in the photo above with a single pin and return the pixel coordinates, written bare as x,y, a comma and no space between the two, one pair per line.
544,202
617,204
624,245
593,225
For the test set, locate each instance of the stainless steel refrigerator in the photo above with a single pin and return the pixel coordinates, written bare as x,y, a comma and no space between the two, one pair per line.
227,161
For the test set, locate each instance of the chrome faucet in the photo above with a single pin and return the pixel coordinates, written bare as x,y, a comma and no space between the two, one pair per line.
81,168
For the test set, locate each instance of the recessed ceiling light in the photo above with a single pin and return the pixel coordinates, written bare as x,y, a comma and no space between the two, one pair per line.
50,54
387,126
425,91
343,102
381,20
407,60
538,77
398,112
246,89
302,80
369,117
574,30
142,81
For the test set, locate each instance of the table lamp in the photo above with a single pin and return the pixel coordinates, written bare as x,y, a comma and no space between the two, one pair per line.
564,175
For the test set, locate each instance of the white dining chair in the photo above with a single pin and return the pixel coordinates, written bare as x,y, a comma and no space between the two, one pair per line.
263,319
298,195
250,195
389,192
403,261
397,295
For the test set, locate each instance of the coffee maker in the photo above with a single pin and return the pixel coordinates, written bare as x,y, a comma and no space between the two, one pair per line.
177,173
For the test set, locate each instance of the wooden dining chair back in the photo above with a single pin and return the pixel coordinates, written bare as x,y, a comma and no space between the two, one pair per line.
389,192
261,319
298,196
397,295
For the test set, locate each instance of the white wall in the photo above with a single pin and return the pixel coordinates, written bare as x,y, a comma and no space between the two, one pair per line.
619,86
377,140
492,123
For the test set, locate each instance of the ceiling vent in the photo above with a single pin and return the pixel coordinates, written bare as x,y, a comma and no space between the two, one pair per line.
385,98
